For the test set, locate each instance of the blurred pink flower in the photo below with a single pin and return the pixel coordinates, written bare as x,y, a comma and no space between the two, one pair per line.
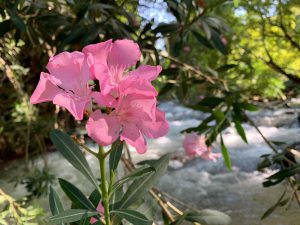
99,209
134,116
194,144
67,83
109,62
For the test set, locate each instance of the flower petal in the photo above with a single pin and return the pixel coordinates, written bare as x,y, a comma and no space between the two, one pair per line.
208,155
134,137
136,108
190,144
104,100
76,108
124,53
67,69
136,86
145,72
103,128
45,90
102,73
99,52
157,128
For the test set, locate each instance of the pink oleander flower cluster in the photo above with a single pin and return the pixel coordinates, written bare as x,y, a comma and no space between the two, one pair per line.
194,145
125,102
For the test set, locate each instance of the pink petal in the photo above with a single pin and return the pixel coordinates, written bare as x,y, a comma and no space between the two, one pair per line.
145,72
68,70
93,220
134,137
124,53
45,90
104,100
99,209
99,52
76,108
157,128
97,55
136,108
137,86
190,144
103,74
103,128
211,156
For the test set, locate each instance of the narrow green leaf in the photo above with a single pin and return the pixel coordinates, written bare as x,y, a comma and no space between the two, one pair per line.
95,198
115,155
72,215
225,155
206,29
75,195
85,221
248,106
66,146
16,19
202,40
239,128
55,203
226,67
137,173
219,115
270,183
209,217
165,28
285,173
211,102
215,38
134,217
272,208
140,186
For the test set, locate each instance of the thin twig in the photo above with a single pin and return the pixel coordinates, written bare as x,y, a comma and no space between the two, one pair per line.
84,147
167,195
295,192
189,67
261,134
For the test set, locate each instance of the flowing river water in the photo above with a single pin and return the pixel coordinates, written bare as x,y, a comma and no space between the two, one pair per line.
203,184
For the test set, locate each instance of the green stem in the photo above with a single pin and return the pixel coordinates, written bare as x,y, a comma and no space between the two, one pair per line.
101,159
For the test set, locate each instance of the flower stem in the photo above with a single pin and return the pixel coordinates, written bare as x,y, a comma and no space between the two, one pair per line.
101,159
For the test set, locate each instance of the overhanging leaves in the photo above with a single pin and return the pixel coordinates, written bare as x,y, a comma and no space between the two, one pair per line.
55,203
72,215
66,146
134,217
75,195
139,187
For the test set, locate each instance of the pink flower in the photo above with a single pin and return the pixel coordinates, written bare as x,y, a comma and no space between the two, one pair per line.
67,83
133,116
99,209
127,97
195,145
109,62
